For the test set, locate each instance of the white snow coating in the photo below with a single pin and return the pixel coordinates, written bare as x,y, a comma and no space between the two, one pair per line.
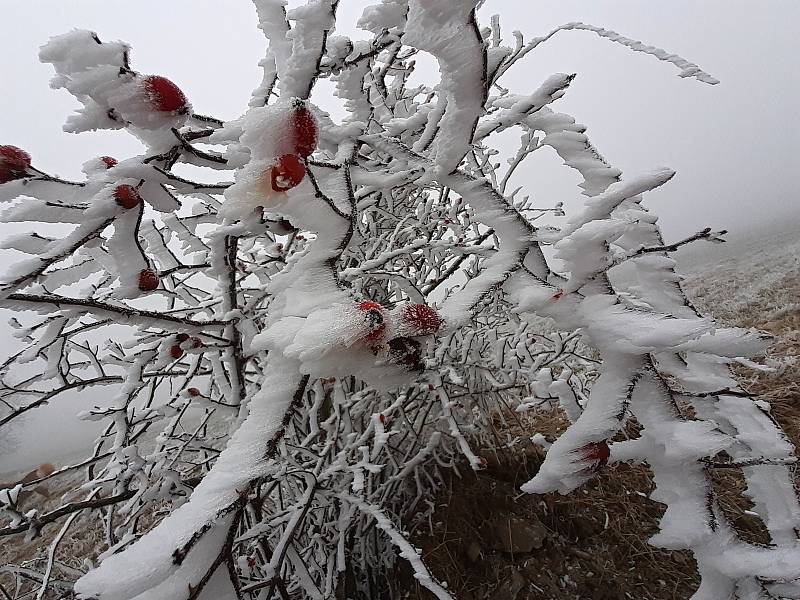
113,96
448,31
295,395
146,569
389,14
311,24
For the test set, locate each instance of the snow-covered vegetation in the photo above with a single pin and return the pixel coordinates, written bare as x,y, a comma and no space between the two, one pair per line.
299,354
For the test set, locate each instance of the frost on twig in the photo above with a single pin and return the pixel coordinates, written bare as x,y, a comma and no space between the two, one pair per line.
315,337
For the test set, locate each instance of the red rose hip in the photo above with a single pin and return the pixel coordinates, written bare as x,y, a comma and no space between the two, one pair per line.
14,163
374,315
419,319
127,196
163,95
599,452
109,161
304,129
287,173
148,280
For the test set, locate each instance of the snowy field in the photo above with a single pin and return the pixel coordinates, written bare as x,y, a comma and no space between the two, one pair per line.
752,268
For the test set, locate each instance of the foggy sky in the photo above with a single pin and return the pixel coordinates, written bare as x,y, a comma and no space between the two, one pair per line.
733,145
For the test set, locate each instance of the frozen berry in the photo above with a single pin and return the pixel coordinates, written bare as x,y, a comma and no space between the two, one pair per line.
127,196
175,351
182,337
164,96
193,392
419,319
110,161
375,319
595,451
196,343
14,163
287,173
304,129
148,280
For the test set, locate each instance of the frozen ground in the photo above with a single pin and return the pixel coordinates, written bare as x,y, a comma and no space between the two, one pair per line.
754,272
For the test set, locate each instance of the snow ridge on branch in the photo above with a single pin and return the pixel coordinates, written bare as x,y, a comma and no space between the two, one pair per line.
314,339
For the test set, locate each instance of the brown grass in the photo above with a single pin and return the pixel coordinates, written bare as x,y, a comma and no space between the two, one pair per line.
595,543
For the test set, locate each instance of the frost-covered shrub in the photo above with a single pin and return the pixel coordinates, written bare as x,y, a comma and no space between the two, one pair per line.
309,345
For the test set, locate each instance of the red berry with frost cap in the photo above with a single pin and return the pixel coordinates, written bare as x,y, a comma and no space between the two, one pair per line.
163,95
287,173
196,342
148,280
14,163
193,392
304,129
127,196
419,319
176,351
595,451
375,317
109,161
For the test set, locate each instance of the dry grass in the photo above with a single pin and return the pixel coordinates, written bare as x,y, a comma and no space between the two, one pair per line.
595,539
84,540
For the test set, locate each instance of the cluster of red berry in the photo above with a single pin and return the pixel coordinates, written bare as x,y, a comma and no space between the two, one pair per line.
289,169
184,340
162,96
414,320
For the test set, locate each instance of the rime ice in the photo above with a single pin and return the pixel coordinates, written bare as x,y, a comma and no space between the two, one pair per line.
294,354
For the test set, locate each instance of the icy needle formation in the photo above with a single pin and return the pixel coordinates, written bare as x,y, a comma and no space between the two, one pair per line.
296,354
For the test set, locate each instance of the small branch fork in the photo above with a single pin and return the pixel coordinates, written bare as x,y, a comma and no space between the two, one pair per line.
705,234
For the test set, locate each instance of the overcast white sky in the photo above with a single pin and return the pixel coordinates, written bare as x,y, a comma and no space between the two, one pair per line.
734,145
